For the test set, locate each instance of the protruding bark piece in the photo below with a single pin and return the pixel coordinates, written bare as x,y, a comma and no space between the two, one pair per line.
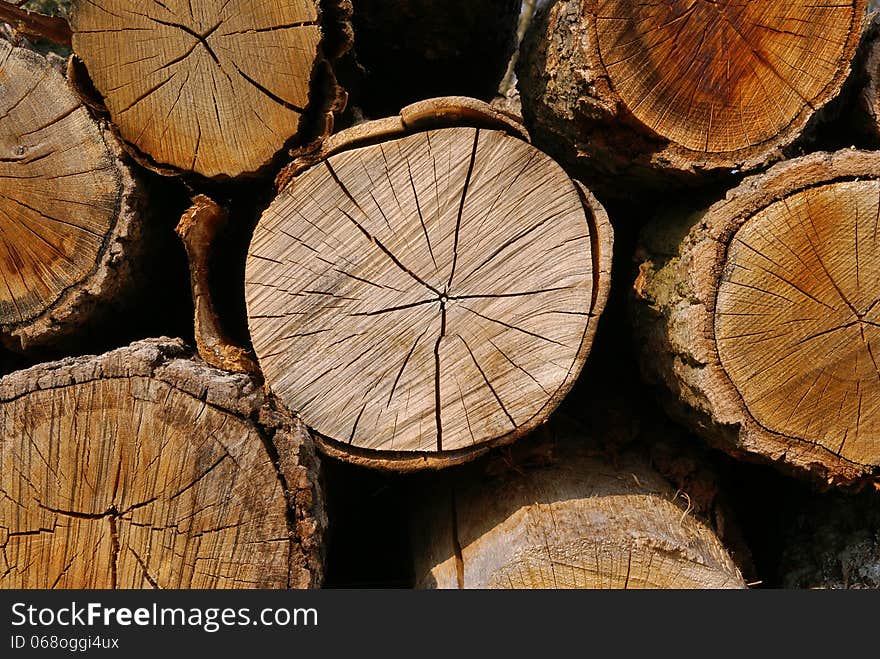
144,469
449,111
414,49
198,229
426,297
207,87
69,208
618,87
764,322
573,522
34,25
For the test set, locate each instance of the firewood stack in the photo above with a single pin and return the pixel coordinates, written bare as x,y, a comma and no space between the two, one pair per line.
391,272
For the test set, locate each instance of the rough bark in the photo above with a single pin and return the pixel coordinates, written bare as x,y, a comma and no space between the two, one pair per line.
427,296
665,92
70,210
415,49
569,520
208,87
142,468
759,316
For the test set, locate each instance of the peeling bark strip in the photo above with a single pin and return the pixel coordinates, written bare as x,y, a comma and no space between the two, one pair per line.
682,86
427,296
197,229
574,522
69,216
35,26
765,325
207,86
144,469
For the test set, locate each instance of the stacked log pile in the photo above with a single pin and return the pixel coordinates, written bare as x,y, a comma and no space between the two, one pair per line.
388,271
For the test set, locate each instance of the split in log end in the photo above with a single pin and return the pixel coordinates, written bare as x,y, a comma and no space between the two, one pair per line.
445,282
71,239
156,471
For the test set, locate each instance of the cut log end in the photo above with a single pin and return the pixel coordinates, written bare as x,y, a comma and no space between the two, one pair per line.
575,522
770,315
797,321
143,469
722,77
422,298
218,92
682,87
69,209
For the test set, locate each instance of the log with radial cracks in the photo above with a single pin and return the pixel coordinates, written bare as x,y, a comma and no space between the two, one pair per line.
142,468
206,86
70,224
572,522
763,322
680,87
429,295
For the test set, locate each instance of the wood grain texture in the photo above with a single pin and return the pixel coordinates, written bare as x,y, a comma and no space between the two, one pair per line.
762,321
574,522
69,208
143,469
206,86
428,294
669,90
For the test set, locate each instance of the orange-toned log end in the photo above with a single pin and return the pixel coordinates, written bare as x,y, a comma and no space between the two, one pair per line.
144,468
769,317
211,87
70,211
198,228
693,85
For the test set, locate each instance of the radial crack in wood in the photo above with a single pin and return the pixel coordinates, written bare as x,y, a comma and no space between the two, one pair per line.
70,221
143,469
204,86
682,86
767,320
423,298
572,522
